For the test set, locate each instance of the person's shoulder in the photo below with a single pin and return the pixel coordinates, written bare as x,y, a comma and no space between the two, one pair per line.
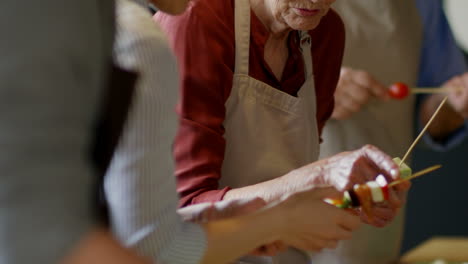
134,23
331,24
138,39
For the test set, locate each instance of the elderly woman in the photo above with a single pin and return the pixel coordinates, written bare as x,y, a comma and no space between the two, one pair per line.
140,187
258,78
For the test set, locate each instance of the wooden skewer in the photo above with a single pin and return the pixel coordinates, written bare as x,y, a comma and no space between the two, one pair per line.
415,175
423,131
429,90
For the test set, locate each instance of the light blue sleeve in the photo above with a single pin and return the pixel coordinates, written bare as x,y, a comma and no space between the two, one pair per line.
441,59
140,184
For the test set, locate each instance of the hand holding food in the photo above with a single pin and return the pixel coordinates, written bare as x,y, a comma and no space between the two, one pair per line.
202,213
401,90
458,99
391,199
311,224
346,169
355,89
374,193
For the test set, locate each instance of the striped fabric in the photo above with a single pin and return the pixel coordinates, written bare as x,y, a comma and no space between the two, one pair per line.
139,185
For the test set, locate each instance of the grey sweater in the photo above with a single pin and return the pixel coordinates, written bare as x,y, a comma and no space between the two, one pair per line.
53,56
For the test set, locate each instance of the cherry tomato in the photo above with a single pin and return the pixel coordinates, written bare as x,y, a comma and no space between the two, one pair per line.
398,90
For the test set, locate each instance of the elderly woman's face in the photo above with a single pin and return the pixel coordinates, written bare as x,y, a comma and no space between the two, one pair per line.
301,14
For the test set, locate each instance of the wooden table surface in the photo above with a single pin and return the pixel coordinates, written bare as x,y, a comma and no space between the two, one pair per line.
450,249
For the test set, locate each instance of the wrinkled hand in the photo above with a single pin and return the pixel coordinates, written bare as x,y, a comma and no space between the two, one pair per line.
346,169
355,89
202,213
311,224
458,99
386,211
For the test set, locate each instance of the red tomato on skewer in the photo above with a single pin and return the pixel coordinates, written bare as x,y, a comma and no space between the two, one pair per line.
398,90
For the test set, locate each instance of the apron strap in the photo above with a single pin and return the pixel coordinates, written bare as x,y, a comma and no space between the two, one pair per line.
306,44
242,30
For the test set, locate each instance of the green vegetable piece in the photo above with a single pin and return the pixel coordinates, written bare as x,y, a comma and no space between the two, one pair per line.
405,170
346,201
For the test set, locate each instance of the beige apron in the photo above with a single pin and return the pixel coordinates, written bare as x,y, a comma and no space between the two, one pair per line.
383,37
268,132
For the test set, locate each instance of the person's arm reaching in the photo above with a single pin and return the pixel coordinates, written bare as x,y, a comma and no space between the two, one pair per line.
199,146
139,184
442,64
453,115
293,220
354,90
100,247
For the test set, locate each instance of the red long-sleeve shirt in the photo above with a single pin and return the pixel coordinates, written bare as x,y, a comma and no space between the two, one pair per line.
204,43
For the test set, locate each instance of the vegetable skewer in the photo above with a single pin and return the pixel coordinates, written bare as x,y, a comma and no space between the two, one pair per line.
401,91
417,174
364,195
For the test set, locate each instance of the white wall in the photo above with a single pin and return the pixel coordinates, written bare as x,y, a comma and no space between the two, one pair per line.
457,12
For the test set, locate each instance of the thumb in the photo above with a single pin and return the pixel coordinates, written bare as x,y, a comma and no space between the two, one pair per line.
379,90
376,88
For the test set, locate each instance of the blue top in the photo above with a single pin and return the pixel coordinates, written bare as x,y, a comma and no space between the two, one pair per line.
441,58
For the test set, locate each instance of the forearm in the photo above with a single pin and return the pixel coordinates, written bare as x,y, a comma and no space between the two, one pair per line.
234,237
99,247
272,190
447,121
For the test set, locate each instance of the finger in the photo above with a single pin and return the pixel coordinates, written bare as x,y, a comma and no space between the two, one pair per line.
366,171
379,90
341,233
377,222
332,244
350,105
404,186
394,201
374,220
464,97
353,211
260,251
384,213
266,250
339,113
357,93
281,246
318,244
349,221
376,88
273,249
382,161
